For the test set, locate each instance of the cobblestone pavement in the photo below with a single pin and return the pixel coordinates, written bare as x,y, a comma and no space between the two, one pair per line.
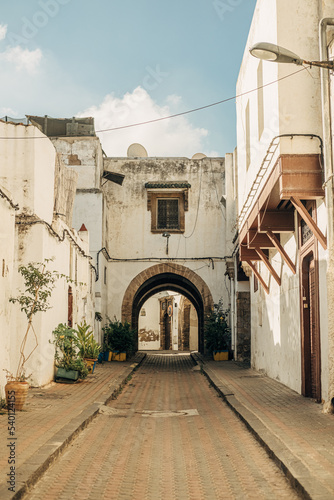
50,419
292,427
168,436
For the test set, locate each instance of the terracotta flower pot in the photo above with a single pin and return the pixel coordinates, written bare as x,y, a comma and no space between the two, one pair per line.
16,394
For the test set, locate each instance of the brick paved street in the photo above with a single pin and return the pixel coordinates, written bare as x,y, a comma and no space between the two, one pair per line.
167,436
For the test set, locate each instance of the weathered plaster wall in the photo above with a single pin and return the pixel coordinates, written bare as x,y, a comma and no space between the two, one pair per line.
27,169
31,234
35,243
83,156
149,324
7,229
65,189
128,222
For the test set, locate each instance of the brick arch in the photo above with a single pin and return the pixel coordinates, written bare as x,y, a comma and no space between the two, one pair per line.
166,276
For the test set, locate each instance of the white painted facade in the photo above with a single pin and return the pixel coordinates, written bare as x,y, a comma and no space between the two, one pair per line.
34,178
84,156
131,244
7,232
149,324
287,105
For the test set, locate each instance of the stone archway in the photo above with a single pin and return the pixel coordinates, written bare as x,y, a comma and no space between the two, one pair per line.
173,277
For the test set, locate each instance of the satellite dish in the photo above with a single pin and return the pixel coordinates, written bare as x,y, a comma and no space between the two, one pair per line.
136,150
199,156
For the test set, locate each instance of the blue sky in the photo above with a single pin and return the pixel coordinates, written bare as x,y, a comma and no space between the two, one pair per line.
125,62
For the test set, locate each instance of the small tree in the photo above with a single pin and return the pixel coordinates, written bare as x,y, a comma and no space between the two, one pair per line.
39,283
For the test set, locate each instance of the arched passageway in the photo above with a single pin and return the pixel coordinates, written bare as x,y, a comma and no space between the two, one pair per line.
164,277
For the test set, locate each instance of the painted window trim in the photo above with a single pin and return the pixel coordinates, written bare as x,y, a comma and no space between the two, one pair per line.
152,206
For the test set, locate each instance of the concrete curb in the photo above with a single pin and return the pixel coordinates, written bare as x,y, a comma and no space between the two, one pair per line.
40,461
299,476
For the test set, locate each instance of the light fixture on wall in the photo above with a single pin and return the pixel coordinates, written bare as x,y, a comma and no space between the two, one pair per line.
166,235
275,53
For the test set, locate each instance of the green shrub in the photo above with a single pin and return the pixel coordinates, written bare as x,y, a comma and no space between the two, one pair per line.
217,333
119,337
88,347
67,347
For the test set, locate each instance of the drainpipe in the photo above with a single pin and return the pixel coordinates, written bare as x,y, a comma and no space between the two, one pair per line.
233,316
328,184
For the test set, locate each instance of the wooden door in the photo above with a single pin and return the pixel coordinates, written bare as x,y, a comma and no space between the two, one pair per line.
167,329
311,330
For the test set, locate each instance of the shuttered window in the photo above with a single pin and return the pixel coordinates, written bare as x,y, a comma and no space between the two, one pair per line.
168,213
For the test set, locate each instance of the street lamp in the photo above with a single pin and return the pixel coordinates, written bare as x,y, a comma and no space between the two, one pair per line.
275,53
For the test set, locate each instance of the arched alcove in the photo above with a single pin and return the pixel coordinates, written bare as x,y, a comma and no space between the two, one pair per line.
164,277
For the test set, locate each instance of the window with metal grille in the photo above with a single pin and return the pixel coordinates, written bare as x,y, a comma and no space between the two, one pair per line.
168,213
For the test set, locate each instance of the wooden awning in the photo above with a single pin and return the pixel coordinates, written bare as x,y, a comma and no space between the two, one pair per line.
293,179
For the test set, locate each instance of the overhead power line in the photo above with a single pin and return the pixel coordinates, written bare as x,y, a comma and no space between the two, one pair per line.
176,114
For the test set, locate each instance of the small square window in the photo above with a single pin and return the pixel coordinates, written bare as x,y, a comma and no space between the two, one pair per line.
168,214
167,210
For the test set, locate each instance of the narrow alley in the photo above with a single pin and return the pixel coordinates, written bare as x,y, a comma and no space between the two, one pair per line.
167,436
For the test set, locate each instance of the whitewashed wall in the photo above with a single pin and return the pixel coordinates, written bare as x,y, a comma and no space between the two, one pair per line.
149,324
290,106
7,229
28,170
129,235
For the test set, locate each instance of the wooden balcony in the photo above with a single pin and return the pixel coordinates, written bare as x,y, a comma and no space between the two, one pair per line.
293,179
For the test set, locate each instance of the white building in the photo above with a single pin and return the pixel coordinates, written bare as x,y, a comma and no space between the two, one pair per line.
36,201
282,214
165,231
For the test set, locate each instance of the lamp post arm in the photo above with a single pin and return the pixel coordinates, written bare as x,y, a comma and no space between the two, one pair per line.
321,64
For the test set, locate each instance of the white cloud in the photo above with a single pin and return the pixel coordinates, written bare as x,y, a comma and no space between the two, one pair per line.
3,31
171,137
22,59
8,112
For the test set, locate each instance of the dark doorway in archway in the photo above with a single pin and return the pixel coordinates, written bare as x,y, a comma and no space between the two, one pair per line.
171,282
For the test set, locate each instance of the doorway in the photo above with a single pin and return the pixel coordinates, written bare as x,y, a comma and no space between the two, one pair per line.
310,329
168,321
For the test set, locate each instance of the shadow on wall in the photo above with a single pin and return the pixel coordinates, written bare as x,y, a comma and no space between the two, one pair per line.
276,344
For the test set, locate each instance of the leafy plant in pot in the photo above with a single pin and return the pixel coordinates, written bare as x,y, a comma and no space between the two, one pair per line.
39,283
89,349
119,338
70,365
217,333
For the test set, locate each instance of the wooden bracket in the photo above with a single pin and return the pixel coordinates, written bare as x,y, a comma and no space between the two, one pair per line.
281,250
268,265
258,275
309,221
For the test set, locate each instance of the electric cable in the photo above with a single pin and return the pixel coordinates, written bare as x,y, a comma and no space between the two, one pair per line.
176,114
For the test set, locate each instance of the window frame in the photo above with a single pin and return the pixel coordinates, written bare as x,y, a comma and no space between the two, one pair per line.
152,205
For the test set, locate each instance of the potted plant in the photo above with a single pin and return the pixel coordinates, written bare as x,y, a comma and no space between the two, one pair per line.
119,339
89,349
70,365
217,333
38,285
